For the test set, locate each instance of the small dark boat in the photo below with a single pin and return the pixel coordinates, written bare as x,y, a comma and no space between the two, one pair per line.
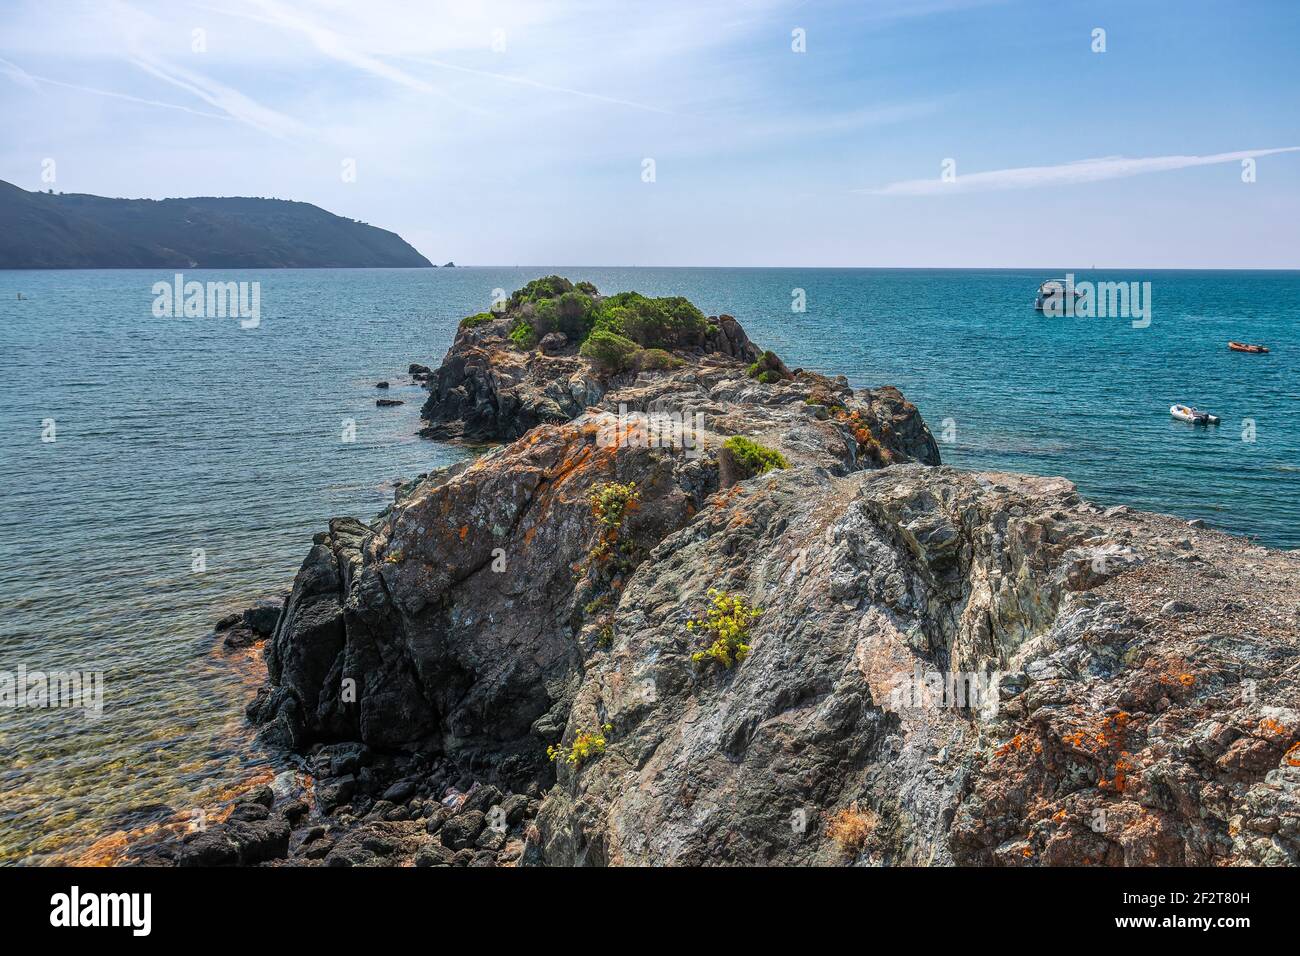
1253,349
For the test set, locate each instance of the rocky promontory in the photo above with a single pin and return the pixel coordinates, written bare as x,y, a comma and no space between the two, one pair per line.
697,607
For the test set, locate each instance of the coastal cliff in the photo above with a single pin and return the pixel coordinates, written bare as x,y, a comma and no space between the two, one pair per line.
700,608
80,231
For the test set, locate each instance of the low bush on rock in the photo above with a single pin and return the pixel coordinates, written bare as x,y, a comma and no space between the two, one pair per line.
725,623
523,336
753,458
655,360
608,350
768,369
554,304
547,287
670,322
474,321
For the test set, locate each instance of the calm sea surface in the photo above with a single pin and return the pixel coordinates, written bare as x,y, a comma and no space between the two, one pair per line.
179,435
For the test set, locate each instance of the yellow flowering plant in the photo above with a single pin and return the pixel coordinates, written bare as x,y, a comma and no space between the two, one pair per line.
586,745
726,623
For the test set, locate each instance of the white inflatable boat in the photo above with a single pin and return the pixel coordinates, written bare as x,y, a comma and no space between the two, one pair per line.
1188,414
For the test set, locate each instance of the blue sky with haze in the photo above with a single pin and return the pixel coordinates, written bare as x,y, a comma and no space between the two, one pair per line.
532,154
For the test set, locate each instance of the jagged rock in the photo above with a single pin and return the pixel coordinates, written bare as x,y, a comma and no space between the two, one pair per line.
462,830
261,617
434,854
553,343
400,792
482,618
242,842
335,793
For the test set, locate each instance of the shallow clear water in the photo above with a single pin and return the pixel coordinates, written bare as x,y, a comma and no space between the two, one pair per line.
181,434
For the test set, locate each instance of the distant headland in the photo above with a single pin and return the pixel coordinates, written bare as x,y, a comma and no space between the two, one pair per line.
80,231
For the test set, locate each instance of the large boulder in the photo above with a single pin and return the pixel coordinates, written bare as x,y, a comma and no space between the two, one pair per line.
948,667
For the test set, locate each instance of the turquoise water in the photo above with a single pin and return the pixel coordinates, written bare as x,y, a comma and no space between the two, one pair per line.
181,434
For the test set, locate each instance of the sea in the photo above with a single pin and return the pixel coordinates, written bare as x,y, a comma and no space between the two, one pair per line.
158,472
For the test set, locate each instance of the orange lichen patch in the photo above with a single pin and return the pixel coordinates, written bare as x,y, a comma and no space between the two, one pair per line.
723,499
1270,726
464,530
1122,766
599,459
1027,852
1015,743
864,436
1059,816
1292,756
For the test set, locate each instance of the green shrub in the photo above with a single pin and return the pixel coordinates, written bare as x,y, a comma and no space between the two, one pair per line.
576,314
671,322
655,360
754,458
523,336
725,624
474,321
769,377
548,287
543,315
587,288
608,350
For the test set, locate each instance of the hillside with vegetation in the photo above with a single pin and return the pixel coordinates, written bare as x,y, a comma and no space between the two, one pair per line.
79,231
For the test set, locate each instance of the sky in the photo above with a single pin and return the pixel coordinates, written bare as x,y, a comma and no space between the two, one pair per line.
875,133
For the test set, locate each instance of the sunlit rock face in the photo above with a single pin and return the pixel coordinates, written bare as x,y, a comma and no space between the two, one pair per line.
948,667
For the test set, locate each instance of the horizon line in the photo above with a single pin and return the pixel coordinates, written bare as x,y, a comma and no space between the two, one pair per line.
891,268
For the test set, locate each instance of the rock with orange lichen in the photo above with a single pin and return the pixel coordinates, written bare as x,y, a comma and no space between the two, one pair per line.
868,579
1127,691
453,623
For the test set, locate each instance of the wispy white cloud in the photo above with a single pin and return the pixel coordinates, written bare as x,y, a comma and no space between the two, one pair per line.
232,102
537,84
1065,174
20,76
33,82
335,46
